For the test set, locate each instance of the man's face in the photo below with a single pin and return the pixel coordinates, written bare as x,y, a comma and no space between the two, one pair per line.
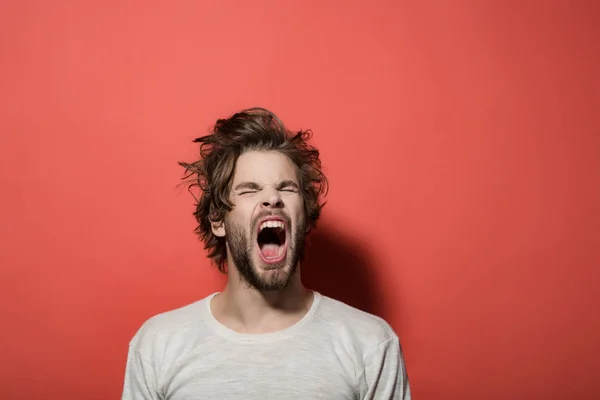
266,229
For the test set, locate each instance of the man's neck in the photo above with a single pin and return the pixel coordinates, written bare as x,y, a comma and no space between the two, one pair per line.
245,309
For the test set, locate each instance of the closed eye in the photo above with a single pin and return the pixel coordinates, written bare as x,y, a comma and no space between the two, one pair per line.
288,186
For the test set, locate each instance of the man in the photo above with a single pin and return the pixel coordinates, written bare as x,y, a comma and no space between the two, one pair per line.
265,336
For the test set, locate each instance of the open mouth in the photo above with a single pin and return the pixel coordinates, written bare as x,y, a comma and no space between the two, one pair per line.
271,240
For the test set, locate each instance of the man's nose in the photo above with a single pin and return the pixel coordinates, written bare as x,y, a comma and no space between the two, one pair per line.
272,199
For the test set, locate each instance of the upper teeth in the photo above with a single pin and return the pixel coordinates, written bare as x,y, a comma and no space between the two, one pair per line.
271,224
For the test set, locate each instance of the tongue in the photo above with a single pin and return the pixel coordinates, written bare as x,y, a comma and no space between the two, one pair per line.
270,250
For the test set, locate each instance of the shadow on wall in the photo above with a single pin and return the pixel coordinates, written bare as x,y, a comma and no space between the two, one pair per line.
337,266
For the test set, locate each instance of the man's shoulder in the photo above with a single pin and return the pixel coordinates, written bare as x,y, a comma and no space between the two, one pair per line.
168,325
355,324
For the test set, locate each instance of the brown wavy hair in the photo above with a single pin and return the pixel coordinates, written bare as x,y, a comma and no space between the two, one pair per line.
250,129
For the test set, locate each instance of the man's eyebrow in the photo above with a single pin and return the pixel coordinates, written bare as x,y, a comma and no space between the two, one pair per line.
247,185
287,184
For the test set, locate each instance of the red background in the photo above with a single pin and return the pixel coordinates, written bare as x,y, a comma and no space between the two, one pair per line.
461,140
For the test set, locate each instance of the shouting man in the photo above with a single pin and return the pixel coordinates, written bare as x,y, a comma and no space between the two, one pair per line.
265,336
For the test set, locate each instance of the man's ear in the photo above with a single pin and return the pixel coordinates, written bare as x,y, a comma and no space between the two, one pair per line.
218,228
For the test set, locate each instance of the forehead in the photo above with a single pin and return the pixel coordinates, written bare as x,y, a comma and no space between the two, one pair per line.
264,167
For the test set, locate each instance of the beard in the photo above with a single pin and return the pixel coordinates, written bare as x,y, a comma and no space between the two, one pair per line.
241,242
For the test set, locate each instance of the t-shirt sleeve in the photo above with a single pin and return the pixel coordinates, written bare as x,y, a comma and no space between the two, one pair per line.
385,373
140,379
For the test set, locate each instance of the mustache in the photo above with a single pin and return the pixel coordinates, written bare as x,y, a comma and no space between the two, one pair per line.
283,216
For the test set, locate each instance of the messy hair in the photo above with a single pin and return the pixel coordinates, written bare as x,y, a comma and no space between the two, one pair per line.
251,129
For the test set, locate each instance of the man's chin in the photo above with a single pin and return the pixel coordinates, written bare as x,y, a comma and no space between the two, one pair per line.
272,276
267,267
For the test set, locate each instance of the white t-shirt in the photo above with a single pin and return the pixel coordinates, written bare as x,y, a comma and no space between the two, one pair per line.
334,352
